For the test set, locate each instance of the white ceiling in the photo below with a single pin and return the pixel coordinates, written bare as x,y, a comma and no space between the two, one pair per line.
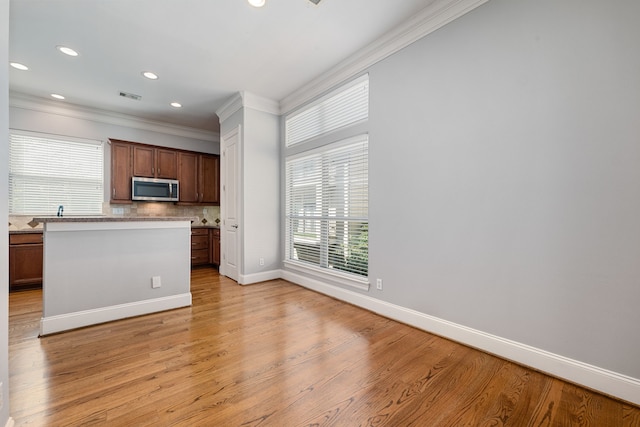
204,51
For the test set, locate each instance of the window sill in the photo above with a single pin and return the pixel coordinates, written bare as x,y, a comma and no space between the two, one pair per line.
325,273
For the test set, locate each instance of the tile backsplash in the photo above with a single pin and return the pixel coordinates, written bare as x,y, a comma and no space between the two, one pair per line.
204,215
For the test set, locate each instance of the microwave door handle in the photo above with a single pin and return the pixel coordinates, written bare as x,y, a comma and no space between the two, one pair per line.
170,190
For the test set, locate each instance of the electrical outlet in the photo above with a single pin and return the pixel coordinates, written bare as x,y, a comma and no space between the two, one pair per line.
379,284
261,261
155,282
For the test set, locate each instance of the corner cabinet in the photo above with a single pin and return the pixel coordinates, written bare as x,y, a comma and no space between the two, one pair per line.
205,246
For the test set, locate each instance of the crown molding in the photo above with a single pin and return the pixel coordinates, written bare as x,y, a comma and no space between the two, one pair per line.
434,16
231,105
248,100
33,103
260,103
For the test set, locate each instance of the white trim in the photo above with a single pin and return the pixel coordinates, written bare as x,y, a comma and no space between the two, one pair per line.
340,278
63,322
27,102
233,104
249,279
593,377
260,103
10,422
436,15
249,100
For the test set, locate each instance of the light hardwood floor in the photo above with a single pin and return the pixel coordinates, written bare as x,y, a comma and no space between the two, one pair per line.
275,354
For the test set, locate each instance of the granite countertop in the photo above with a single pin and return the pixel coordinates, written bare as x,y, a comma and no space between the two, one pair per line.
45,219
205,226
27,231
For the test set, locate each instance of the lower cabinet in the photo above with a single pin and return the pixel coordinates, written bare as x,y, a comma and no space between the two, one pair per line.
205,246
215,246
25,261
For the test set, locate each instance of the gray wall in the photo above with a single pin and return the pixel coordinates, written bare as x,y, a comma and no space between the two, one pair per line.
505,178
4,209
261,178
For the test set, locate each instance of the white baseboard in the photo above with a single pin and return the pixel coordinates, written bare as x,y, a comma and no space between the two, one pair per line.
10,422
64,322
248,279
593,377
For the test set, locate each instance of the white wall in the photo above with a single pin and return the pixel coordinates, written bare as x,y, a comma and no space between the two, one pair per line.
504,178
4,210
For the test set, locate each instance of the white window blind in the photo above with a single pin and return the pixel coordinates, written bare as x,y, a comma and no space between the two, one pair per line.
327,207
346,106
46,171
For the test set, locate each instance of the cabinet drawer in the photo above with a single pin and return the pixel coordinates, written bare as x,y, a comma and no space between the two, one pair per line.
25,238
216,232
199,256
199,242
199,232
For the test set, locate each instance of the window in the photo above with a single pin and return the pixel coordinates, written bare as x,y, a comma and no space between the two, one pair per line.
341,108
327,207
46,171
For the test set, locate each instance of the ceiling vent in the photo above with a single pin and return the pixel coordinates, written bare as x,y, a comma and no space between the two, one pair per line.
315,1
131,96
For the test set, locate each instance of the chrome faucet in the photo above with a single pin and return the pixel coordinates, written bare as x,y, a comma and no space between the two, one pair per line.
60,210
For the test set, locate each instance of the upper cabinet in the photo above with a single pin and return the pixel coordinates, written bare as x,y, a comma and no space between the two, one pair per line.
121,171
198,174
153,162
199,177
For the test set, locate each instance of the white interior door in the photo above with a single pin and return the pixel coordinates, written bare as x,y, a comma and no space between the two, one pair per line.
230,207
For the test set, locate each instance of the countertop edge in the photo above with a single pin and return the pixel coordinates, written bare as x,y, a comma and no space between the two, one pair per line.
44,220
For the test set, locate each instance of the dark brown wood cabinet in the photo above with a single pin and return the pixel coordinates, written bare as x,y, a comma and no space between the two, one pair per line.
121,171
197,173
188,177
205,246
209,179
154,162
25,261
199,177
215,246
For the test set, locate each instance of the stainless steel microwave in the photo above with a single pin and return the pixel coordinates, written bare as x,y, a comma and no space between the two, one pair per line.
154,190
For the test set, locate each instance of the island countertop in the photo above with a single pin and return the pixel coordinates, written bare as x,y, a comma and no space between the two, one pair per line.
48,219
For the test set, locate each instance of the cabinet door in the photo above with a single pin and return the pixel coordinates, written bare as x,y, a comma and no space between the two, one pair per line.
143,161
25,266
209,179
166,163
188,177
215,247
120,172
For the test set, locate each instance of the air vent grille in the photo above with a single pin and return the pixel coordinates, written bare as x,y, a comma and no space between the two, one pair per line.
131,96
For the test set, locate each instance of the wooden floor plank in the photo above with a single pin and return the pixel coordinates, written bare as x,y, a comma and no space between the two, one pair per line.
275,354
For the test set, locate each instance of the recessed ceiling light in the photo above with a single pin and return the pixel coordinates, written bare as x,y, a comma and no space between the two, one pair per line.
56,96
176,104
19,66
257,3
67,50
150,75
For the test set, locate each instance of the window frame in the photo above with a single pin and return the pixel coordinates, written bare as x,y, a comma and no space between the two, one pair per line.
323,142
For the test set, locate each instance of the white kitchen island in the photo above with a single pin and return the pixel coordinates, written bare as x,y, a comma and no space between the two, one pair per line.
99,269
